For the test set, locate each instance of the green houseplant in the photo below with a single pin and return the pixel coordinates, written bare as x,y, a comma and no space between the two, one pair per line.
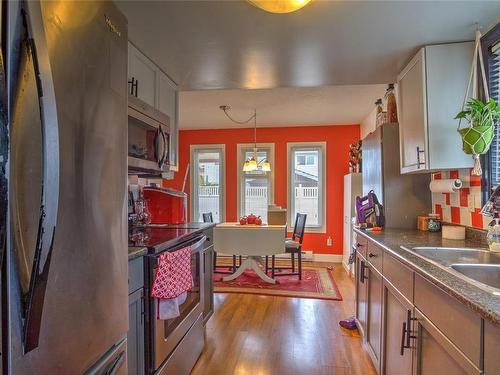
482,118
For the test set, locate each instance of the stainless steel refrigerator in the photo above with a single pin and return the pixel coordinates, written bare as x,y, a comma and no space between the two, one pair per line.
404,197
67,245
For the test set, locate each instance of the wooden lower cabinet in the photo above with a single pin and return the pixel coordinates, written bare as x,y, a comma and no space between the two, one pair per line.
435,354
361,294
135,335
491,349
374,315
412,327
398,345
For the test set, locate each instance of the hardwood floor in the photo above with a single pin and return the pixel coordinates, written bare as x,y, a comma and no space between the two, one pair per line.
262,335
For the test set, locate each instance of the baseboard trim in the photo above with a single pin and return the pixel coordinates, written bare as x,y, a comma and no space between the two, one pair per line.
332,258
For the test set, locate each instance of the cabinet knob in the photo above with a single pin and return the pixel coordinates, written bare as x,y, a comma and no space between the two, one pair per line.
371,255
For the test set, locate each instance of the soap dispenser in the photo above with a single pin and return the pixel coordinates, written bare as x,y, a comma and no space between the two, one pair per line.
493,235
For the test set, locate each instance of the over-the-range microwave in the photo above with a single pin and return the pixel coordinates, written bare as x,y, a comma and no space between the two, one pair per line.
148,139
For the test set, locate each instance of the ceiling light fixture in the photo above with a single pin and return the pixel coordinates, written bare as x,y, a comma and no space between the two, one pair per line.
279,6
250,164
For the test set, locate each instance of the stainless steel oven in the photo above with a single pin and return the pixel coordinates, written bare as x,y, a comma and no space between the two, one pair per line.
167,340
148,139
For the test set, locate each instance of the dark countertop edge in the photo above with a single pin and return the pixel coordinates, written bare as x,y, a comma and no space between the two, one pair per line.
434,274
136,252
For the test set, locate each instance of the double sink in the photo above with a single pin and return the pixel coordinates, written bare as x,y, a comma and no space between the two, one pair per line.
479,267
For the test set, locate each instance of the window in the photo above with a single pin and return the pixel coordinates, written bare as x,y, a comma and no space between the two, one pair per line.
491,48
207,182
306,183
255,189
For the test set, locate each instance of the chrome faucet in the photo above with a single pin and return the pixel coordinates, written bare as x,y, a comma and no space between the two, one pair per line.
493,204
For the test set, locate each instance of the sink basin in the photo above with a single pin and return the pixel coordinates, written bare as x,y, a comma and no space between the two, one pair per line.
448,255
478,266
488,274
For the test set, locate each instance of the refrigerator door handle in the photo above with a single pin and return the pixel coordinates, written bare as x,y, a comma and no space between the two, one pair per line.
113,370
50,176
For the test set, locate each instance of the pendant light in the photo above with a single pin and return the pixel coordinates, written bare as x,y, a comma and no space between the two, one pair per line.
250,164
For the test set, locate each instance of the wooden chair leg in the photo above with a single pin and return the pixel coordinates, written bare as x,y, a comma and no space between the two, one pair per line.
299,256
293,262
215,260
267,264
234,263
240,261
273,261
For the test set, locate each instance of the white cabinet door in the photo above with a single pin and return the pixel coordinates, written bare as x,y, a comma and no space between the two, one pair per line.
167,95
167,102
412,114
144,71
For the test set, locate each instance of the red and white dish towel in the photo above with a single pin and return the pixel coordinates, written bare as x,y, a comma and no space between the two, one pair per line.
172,280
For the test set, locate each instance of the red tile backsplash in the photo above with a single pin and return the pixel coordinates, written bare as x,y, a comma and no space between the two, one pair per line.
464,197
454,207
455,215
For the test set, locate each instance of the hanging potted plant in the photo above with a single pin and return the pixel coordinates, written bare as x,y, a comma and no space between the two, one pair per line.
481,116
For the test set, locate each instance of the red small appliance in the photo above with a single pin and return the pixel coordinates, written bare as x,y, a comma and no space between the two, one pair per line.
166,206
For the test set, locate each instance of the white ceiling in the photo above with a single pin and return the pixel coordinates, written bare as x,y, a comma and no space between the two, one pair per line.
233,45
327,105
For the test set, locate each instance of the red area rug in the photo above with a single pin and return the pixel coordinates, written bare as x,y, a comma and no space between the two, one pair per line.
317,282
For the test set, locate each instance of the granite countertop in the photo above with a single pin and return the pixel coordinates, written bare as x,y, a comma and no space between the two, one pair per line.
483,302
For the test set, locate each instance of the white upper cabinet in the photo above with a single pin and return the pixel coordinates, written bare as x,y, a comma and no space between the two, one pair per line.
167,102
430,92
144,75
150,84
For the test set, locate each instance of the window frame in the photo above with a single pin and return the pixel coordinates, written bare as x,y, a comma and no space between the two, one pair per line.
193,152
241,149
291,148
488,40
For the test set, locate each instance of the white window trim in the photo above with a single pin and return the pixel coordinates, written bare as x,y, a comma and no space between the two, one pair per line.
322,203
222,190
239,166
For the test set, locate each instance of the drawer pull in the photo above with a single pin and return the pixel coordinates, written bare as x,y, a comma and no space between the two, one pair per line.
371,255
362,276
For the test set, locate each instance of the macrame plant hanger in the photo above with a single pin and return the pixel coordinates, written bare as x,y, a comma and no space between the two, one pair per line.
480,143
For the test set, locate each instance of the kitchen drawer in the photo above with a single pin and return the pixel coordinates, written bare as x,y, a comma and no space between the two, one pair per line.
135,274
400,276
459,324
361,245
374,256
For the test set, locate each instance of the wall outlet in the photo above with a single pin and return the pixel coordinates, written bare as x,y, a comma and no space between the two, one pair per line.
329,241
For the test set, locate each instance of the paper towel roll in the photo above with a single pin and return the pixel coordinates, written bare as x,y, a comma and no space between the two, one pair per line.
445,186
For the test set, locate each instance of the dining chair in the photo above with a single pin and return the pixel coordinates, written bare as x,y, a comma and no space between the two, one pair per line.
208,218
293,245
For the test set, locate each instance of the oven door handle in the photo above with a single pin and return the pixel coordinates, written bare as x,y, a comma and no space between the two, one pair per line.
195,244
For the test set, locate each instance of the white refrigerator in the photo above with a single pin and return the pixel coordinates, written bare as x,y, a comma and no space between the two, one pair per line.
352,188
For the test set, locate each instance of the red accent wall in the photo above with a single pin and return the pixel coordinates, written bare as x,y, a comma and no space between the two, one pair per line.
338,139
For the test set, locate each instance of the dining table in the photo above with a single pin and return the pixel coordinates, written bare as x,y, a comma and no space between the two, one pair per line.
252,242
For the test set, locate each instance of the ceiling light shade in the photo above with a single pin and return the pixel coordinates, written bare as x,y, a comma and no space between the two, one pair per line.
252,163
266,166
279,6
